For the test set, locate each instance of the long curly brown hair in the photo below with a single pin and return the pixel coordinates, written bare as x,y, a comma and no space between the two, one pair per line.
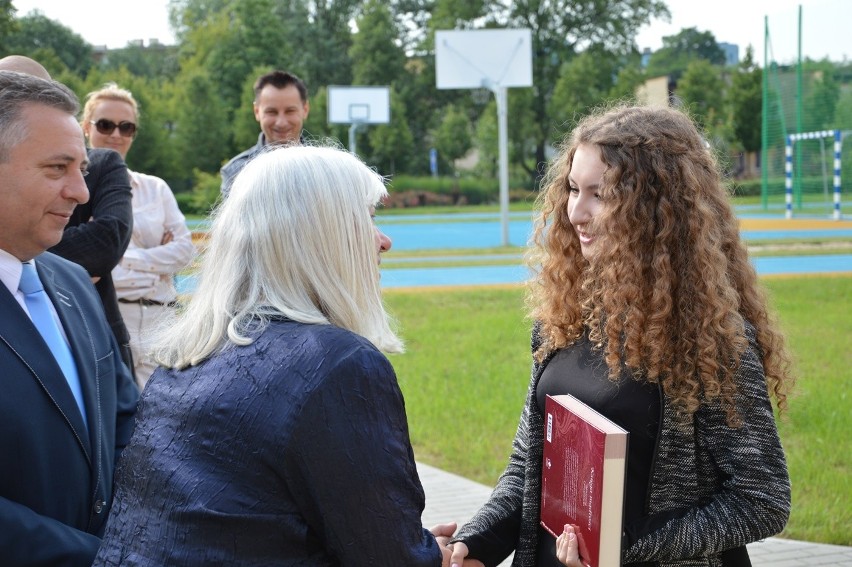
670,289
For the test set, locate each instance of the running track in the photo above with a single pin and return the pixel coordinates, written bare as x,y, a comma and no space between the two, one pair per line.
483,231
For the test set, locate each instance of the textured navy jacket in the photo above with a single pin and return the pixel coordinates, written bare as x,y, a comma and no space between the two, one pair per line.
293,450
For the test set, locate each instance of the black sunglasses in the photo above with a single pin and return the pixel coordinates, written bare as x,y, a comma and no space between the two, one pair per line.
107,127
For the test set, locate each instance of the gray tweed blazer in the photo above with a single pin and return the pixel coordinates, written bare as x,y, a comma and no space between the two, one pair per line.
713,487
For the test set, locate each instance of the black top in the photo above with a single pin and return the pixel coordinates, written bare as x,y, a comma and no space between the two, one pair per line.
580,370
714,486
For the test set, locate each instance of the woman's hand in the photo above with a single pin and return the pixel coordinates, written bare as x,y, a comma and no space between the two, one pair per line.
459,557
168,236
443,534
567,548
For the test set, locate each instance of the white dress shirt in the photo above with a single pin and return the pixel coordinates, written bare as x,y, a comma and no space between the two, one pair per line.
148,267
10,275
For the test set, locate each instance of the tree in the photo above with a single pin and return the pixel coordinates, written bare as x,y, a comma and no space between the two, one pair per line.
392,144
154,61
37,36
561,29
456,14
682,48
627,80
452,137
746,107
701,89
485,141
585,82
202,128
843,111
230,39
244,125
8,25
377,58
187,15
821,102
843,121
326,41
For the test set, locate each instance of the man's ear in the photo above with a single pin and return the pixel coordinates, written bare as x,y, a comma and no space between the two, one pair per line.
256,110
307,109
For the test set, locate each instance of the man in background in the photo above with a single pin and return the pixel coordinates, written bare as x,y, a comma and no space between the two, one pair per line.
281,108
68,400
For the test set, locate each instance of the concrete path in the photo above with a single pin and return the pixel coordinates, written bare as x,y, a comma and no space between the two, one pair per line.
450,497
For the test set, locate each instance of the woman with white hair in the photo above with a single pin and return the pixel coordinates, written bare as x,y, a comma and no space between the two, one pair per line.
275,431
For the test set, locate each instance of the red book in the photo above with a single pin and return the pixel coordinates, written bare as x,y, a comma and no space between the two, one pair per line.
582,478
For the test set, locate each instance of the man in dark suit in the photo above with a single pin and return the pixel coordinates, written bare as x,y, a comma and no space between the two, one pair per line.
61,432
99,230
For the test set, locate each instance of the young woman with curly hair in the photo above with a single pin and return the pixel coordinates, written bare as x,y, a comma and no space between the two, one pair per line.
648,309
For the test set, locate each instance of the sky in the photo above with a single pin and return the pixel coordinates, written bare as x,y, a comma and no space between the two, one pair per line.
115,22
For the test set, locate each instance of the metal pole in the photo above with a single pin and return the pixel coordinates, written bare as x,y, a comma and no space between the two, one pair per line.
352,129
797,187
838,152
503,136
764,121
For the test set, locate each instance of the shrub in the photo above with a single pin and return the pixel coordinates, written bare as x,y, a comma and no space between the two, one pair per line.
412,191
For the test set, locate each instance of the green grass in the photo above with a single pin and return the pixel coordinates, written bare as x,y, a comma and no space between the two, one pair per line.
816,314
464,376
466,373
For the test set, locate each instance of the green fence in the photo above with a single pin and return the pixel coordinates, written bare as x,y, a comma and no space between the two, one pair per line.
803,95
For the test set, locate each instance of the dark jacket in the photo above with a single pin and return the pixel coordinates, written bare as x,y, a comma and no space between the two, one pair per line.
99,231
293,450
55,472
713,487
230,170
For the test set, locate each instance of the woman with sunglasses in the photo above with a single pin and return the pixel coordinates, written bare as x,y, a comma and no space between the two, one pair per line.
161,244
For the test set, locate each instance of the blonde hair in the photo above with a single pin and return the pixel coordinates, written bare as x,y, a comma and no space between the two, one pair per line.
294,238
671,288
110,91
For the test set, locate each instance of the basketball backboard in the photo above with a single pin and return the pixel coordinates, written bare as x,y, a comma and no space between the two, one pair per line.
471,59
358,105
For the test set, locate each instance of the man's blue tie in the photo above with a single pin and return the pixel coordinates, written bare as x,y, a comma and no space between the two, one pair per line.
38,304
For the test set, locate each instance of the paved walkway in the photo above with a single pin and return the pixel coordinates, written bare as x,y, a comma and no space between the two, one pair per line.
450,497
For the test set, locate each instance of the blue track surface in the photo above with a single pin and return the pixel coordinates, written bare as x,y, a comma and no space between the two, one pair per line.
487,233
483,230
485,275
490,275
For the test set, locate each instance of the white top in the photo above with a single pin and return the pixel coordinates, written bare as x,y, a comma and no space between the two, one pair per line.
148,267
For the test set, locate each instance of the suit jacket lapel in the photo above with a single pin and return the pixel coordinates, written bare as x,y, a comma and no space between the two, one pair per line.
18,331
